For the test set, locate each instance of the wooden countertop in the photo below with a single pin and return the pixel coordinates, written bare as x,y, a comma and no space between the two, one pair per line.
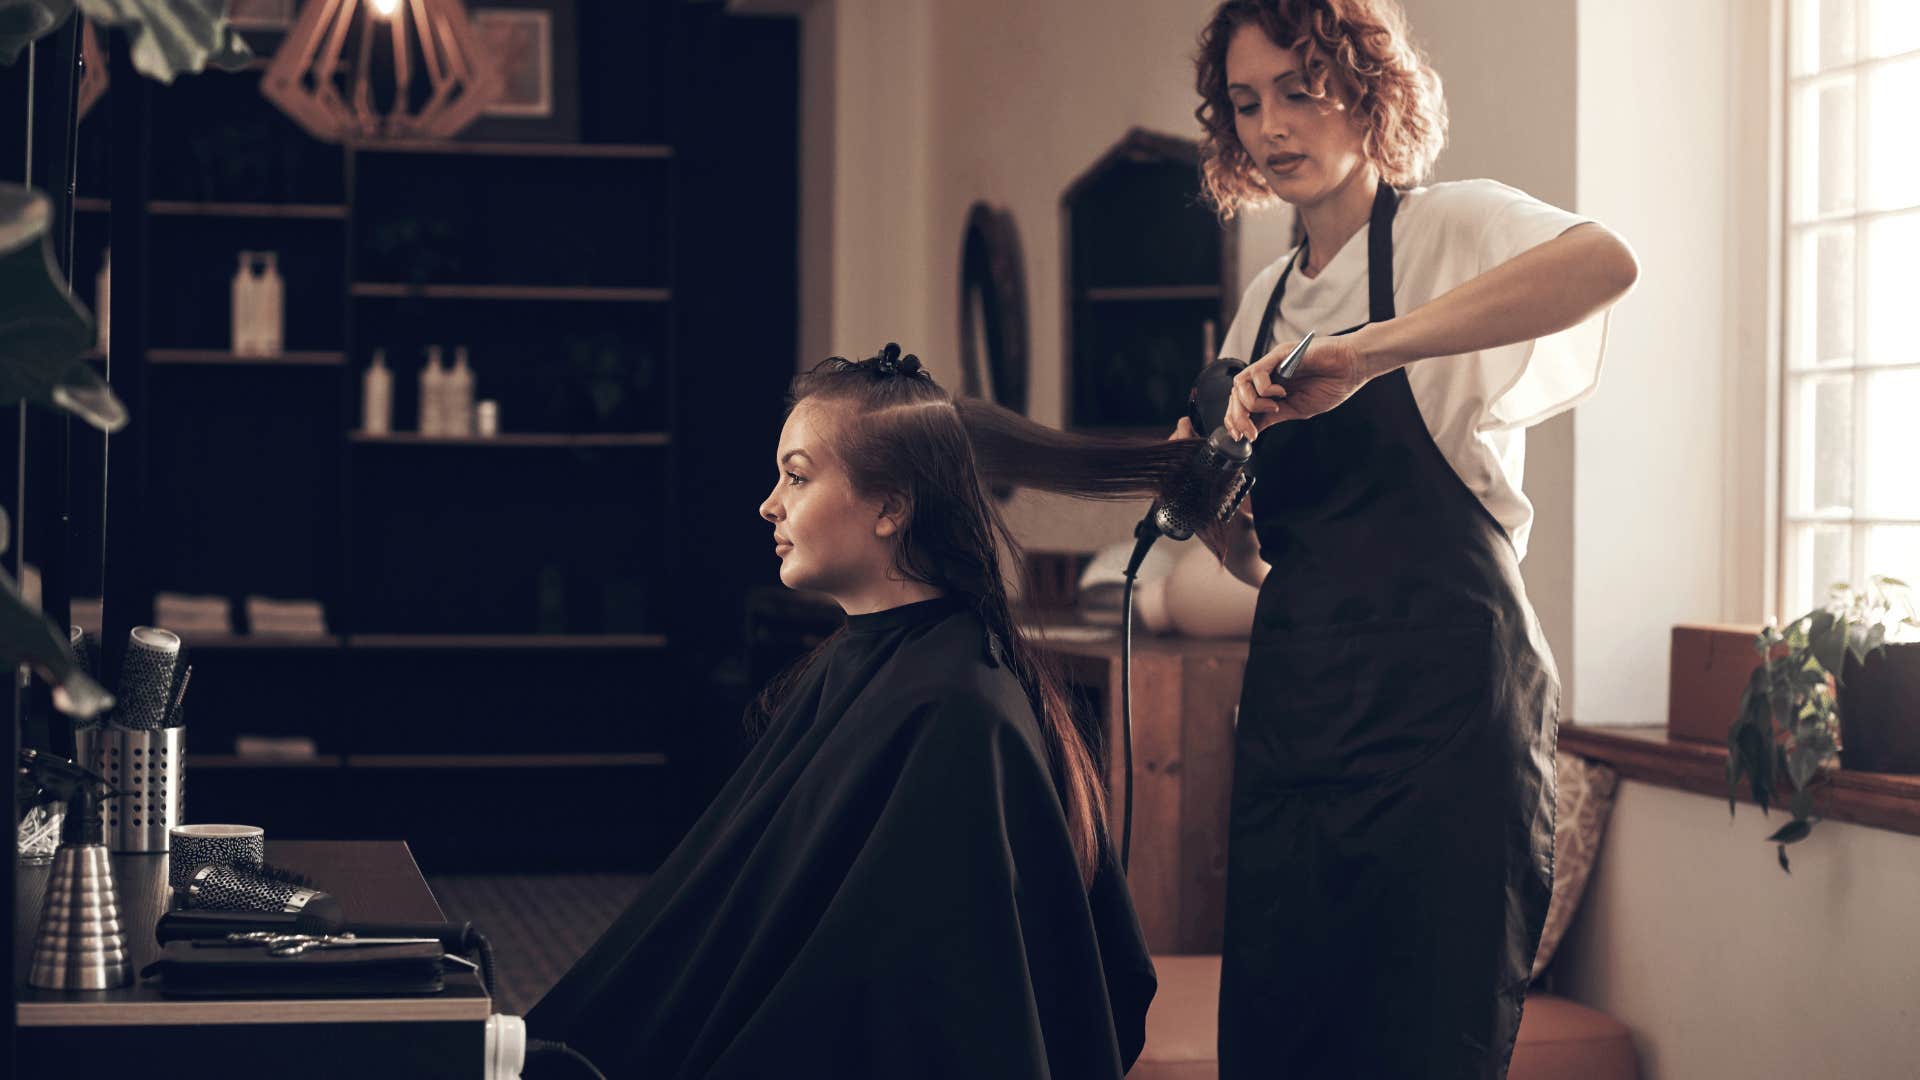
374,880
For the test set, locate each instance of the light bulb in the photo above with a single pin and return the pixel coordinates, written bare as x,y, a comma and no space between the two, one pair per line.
385,8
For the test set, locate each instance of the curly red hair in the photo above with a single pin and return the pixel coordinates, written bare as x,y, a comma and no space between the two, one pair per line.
1356,50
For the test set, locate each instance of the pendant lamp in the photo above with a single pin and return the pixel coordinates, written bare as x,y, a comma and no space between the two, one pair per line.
381,69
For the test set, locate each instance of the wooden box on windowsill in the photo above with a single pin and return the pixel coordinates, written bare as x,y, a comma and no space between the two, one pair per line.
1710,667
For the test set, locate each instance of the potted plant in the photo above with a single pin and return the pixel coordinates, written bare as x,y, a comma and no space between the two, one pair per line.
1787,734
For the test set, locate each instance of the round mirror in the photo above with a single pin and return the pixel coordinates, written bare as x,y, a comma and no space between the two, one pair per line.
993,309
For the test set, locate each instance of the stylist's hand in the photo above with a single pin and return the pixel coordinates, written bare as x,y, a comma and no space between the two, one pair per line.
1332,370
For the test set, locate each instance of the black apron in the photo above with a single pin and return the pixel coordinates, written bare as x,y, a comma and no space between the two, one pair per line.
1391,846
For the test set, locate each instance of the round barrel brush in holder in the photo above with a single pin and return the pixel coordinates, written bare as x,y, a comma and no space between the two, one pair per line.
86,651
141,749
148,677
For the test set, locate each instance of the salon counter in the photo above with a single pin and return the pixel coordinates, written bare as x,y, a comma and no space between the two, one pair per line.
137,1030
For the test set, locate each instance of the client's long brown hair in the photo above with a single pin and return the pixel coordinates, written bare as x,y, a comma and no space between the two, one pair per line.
901,435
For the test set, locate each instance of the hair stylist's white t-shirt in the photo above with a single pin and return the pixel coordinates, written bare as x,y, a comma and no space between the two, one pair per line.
1476,405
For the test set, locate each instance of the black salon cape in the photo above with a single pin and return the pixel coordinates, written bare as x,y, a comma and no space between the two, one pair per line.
885,888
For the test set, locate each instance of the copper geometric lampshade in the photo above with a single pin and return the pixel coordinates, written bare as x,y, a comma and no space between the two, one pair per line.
347,70
93,67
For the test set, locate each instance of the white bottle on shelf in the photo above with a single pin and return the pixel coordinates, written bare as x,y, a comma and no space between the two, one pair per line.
243,293
433,382
271,299
376,397
458,417
103,300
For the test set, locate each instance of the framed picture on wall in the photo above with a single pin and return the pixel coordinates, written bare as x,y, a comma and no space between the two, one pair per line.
261,14
536,45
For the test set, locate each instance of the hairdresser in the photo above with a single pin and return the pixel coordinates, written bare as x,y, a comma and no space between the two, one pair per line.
1391,845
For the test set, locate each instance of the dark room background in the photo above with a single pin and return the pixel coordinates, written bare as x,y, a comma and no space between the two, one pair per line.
535,651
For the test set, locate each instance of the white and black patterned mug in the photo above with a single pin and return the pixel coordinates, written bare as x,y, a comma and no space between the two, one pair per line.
195,846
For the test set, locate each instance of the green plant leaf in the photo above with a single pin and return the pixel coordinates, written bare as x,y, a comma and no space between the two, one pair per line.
1802,804
1829,640
1736,766
1792,832
1754,749
82,392
43,330
174,37
25,21
1802,763
26,637
1784,865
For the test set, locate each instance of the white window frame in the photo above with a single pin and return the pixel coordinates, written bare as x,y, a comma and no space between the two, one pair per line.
1791,520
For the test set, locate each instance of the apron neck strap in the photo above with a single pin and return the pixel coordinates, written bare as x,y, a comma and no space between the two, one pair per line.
1386,201
1380,254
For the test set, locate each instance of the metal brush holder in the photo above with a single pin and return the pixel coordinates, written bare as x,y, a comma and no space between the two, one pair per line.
150,767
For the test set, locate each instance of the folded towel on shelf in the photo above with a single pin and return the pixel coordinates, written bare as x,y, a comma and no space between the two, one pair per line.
286,618
187,614
87,613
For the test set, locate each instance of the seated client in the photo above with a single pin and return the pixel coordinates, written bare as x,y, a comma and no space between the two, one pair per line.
910,874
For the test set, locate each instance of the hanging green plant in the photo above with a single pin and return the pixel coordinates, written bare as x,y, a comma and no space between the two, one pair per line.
43,330
1787,735
24,21
43,333
170,37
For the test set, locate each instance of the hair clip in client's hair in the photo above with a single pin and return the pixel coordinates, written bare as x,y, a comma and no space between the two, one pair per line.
888,362
885,364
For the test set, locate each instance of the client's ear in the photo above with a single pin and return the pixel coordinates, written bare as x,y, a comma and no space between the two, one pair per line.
895,512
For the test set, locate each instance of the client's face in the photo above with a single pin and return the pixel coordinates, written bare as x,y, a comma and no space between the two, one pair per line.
823,531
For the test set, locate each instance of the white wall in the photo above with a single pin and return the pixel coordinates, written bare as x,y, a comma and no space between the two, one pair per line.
1507,68
1725,967
1649,459
884,147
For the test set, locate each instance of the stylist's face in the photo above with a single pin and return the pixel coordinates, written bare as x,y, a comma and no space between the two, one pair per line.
829,538
1305,147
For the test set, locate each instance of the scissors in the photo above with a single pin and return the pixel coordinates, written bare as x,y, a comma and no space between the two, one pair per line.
294,944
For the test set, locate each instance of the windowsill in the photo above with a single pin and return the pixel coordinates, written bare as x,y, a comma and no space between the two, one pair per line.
1880,800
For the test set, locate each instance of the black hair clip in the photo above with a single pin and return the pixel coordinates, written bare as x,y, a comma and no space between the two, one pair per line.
886,364
889,362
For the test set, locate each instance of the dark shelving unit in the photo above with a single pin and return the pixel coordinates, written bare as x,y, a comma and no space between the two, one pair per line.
496,605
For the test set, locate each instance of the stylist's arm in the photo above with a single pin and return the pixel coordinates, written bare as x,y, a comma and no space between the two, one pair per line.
1539,292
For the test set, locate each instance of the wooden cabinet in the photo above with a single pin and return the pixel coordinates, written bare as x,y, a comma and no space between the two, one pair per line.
1147,266
1186,695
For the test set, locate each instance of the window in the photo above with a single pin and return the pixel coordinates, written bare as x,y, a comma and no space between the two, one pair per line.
1851,356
